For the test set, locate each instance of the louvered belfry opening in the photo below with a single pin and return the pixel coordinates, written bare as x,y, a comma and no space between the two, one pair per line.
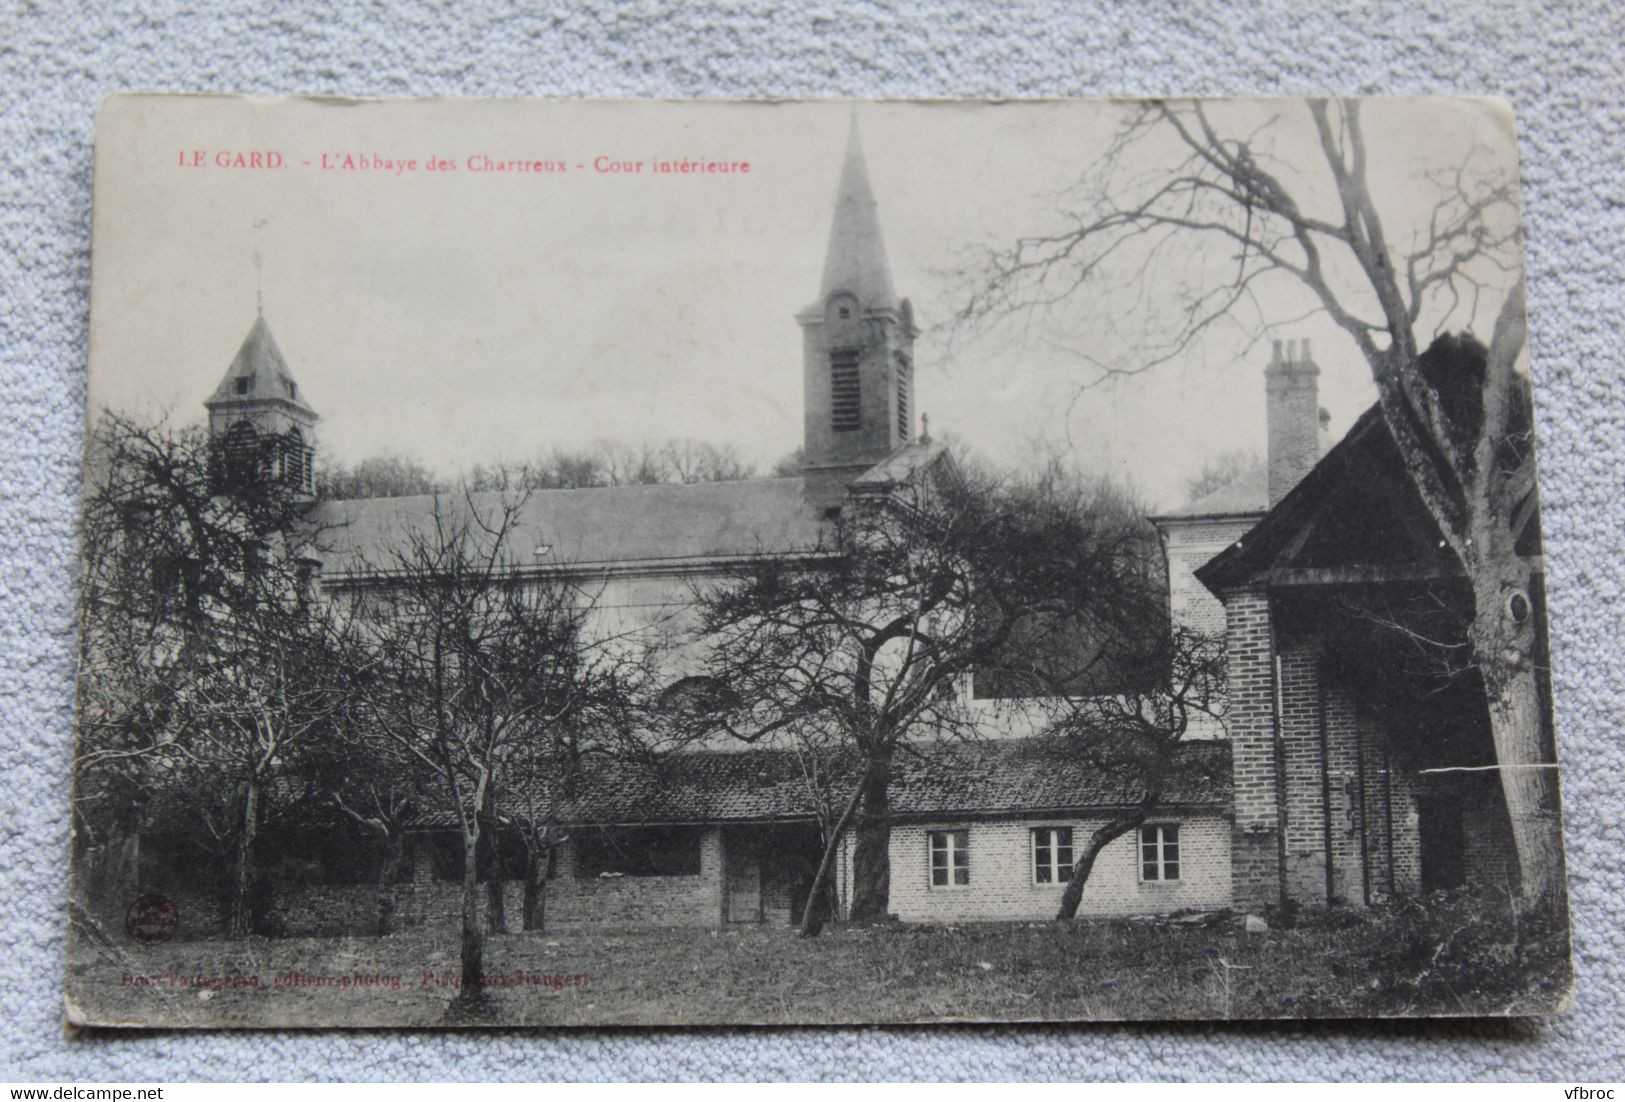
296,466
846,391
235,461
903,388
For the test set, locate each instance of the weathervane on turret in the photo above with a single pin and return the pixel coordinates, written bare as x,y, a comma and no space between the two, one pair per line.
259,268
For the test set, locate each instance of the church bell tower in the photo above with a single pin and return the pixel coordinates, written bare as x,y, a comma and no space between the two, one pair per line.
259,423
858,345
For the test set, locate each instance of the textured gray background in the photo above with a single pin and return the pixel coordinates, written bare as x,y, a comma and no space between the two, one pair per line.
1559,66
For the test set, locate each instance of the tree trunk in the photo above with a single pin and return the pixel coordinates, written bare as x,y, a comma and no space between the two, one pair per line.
1084,865
1505,646
536,863
240,910
811,924
1496,475
472,989
496,907
388,870
871,856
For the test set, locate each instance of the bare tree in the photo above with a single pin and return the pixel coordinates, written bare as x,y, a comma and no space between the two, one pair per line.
691,461
205,661
876,643
376,476
599,718
612,463
471,666
381,797
828,767
1221,470
1183,211
790,464
1134,739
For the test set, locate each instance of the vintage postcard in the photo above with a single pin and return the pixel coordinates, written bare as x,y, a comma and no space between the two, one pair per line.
675,563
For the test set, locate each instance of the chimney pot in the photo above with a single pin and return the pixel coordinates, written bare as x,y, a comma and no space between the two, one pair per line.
1306,350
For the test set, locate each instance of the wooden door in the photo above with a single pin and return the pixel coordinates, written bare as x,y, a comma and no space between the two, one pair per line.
744,886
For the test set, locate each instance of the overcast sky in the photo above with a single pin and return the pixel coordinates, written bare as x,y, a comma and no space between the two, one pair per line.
461,317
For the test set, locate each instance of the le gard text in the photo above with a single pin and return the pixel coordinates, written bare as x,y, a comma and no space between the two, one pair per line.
375,163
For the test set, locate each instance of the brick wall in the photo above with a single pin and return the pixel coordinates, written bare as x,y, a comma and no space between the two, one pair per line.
1303,821
1376,845
1002,886
1001,872
1287,824
1249,648
1393,845
425,901
640,900
1322,733
1343,759
1407,852
1491,856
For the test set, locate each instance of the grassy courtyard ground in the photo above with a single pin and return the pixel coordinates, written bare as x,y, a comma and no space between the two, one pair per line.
1452,961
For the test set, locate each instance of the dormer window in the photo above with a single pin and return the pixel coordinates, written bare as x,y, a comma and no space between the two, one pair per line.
245,384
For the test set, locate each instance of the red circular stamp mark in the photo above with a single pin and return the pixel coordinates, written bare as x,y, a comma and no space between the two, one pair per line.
151,918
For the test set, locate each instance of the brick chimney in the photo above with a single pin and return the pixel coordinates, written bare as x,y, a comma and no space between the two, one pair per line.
1293,411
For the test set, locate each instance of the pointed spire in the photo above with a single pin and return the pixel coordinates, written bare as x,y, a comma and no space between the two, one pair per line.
856,260
259,371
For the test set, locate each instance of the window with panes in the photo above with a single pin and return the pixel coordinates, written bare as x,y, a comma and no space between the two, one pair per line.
1159,852
950,858
1052,854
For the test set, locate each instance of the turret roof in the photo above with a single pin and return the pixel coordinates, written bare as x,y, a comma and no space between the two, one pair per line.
261,362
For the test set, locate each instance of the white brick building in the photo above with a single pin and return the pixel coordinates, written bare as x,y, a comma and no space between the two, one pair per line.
1011,873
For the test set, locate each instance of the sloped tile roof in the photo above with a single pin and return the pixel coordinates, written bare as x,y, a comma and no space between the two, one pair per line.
1003,777
901,465
601,525
1361,490
1246,494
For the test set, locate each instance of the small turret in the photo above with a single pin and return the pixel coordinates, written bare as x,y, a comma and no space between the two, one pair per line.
260,424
